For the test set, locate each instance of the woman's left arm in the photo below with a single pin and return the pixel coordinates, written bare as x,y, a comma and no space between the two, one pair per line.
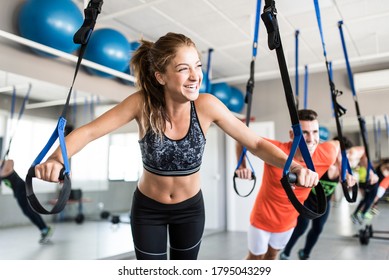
257,145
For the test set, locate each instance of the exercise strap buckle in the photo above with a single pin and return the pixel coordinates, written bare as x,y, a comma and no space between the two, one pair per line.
274,42
90,12
81,37
269,18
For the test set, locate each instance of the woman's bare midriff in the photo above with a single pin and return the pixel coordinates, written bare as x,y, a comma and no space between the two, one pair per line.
169,190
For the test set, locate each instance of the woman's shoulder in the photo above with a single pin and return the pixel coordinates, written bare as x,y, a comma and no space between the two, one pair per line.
208,102
134,101
205,97
135,96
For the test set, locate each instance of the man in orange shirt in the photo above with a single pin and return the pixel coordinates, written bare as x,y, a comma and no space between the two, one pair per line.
273,216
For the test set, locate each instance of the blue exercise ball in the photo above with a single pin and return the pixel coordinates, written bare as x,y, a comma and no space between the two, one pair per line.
51,23
203,87
110,48
221,91
135,45
236,101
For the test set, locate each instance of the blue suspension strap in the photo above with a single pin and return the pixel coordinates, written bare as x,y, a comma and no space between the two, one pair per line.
305,86
339,111
274,42
361,119
296,36
209,69
14,126
80,37
248,101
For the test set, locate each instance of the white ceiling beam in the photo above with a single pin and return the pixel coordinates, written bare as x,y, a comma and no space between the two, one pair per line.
313,68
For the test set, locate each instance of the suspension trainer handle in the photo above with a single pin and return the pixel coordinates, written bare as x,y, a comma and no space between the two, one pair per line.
345,187
339,112
65,173
274,42
82,36
253,178
62,198
361,120
249,97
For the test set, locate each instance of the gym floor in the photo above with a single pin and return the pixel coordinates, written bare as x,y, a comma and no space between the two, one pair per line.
100,239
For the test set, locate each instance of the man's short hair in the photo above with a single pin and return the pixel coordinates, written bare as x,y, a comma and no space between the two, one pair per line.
307,115
347,142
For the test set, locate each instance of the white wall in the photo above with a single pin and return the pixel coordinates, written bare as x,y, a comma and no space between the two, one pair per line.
239,208
213,180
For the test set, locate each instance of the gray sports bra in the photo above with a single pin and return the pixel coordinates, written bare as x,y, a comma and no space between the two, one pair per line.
167,157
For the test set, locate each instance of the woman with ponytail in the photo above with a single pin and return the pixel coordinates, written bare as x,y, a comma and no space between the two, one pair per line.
173,119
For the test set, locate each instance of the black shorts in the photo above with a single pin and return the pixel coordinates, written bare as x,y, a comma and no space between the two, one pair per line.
153,222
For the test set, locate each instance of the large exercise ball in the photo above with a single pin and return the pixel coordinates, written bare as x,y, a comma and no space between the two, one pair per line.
236,101
110,48
221,91
133,47
52,23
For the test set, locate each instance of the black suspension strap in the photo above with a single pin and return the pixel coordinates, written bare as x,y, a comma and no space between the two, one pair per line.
14,126
248,101
339,111
377,138
269,17
80,37
296,36
361,119
387,128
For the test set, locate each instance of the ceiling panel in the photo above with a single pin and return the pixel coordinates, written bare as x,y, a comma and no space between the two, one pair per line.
227,26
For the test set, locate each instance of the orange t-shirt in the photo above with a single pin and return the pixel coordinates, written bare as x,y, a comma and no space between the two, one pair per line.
384,183
272,209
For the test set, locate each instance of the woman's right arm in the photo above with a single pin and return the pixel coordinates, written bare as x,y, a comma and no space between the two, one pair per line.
126,111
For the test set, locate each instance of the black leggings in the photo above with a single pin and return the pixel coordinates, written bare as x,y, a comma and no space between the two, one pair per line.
302,225
152,222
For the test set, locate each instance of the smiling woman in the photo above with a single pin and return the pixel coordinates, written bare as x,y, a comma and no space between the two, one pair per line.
172,120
